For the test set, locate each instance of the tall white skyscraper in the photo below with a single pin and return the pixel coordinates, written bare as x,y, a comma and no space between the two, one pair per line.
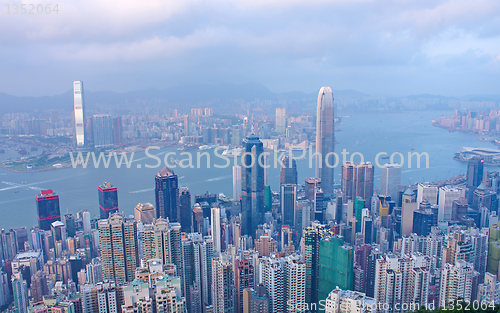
86,222
79,113
280,120
427,192
391,178
325,140
272,277
216,231
294,270
447,195
236,182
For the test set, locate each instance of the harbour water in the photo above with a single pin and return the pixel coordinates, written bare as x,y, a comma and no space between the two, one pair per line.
367,133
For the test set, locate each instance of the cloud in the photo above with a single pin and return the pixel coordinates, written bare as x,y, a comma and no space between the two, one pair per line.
233,40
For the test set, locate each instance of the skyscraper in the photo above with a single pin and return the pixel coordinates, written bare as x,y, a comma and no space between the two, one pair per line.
48,211
252,186
166,194
108,200
402,280
119,248
312,237
216,230
456,282
357,180
447,195
79,113
336,262
280,120
288,200
117,130
185,210
145,213
391,179
244,279
103,131
475,171
236,182
325,140
222,284
288,171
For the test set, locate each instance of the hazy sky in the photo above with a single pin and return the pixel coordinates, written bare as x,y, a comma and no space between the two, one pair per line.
378,47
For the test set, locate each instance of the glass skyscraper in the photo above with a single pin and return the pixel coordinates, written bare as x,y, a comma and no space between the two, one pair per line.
325,140
47,205
103,131
252,185
108,200
167,195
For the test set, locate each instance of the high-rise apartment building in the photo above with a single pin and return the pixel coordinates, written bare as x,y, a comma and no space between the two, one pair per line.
167,195
48,211
162,240
79,111
119,247
325,140
402,280
108,200
245,274
252,186
294,272
456,282
347,301
273,280
223,284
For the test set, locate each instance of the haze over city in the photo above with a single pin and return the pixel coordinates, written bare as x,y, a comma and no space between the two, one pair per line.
250,156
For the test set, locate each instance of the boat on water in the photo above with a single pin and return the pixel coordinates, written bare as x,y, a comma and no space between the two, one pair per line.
232,153
208,147
188,147
173,160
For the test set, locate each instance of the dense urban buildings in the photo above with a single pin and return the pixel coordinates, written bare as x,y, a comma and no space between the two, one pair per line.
281,242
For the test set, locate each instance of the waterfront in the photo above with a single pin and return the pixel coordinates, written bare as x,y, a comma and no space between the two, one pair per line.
367,133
